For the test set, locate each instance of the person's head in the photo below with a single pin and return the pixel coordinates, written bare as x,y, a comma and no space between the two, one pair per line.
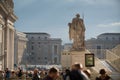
1,71
6,69
78,66
20,70
87,72
102,72
73,67
13,72
35,71
53,73
77,15
67,71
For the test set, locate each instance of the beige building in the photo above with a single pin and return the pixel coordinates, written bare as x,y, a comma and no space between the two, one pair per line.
66,59
104,41
42,49
7,19
20,47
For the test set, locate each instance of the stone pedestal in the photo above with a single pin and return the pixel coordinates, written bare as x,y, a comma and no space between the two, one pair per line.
68,58
78,57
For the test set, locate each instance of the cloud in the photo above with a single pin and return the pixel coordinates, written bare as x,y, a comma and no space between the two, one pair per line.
113,24
96,2
71,0
24,3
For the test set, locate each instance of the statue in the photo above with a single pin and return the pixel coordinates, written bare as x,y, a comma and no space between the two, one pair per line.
77,33
9,3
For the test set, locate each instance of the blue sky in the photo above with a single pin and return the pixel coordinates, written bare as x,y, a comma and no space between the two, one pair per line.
52,16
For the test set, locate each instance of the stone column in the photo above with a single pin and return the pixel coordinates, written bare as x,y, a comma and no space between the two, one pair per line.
3,34
7,51
10,46
12,49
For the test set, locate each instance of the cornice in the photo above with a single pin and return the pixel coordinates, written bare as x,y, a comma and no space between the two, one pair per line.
8,11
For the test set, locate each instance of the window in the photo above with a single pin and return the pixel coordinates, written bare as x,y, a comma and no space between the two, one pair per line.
98,47
55,49
32,53
68,53
55,60
45,37
32,42
32,47
106,38
32,37
45,58
39,37
113,38
32,58
38,42
38,58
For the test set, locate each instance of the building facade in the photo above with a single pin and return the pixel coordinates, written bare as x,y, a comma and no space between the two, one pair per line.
7,19
20,47
42,49
104,41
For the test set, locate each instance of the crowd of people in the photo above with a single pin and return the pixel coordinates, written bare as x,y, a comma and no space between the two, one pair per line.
75,73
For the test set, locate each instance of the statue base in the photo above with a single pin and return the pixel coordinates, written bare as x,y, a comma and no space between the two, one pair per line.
68,58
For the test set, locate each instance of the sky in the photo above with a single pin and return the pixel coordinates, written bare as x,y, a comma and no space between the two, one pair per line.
53,16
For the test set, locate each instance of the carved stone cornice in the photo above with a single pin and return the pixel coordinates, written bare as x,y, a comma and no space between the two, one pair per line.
7,7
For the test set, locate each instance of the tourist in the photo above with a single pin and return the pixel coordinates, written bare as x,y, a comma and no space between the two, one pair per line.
7,73
30,74
36,75
13,74
20,73
103,75
74,74
67,74
87,72
60,76
1,74
42,74
52,74
77,73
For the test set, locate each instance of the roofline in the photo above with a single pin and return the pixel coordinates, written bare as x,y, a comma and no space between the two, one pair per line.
36,33
110,34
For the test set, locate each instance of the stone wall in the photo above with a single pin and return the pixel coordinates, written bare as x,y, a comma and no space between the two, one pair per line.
116,50
113,59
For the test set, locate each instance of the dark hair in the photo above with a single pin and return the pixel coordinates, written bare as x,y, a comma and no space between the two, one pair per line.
53,70
67,70
102,71
77,65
